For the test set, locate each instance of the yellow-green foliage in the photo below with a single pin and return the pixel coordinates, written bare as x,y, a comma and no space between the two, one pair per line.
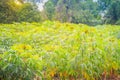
58,50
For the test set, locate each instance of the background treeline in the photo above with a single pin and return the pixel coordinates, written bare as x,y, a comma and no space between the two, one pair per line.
91,12
18,11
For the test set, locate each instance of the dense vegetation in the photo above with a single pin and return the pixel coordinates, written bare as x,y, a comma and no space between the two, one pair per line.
59,51
91,12
57,43
18,11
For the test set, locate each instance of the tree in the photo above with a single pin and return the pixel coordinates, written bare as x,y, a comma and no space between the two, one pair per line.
7,13
85,12
113,13
62,11
18,11
104,4
111,10
50,10
28,13
76,11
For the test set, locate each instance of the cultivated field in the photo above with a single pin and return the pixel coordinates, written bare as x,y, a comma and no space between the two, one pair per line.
59,51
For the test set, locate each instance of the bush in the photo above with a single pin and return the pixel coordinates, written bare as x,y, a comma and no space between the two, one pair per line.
118,22
14,66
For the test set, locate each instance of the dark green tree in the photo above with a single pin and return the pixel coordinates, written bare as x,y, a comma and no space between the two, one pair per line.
28,13
111,10
113,13
50,10
12,11
104,4
76,11
7,13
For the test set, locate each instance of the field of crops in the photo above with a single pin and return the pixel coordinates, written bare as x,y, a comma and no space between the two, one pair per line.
59,51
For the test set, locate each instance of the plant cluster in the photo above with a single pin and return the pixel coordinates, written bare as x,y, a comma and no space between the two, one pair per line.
54,50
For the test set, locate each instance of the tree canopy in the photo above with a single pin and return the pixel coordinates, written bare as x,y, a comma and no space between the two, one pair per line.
18,11
91,12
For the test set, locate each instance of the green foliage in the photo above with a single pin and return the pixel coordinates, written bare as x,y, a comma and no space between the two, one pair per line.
84,11
64,51
73,11
111,10
104,4
113,13
6,12
50,10
11,11
28,13
14,67
118,22
84,16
